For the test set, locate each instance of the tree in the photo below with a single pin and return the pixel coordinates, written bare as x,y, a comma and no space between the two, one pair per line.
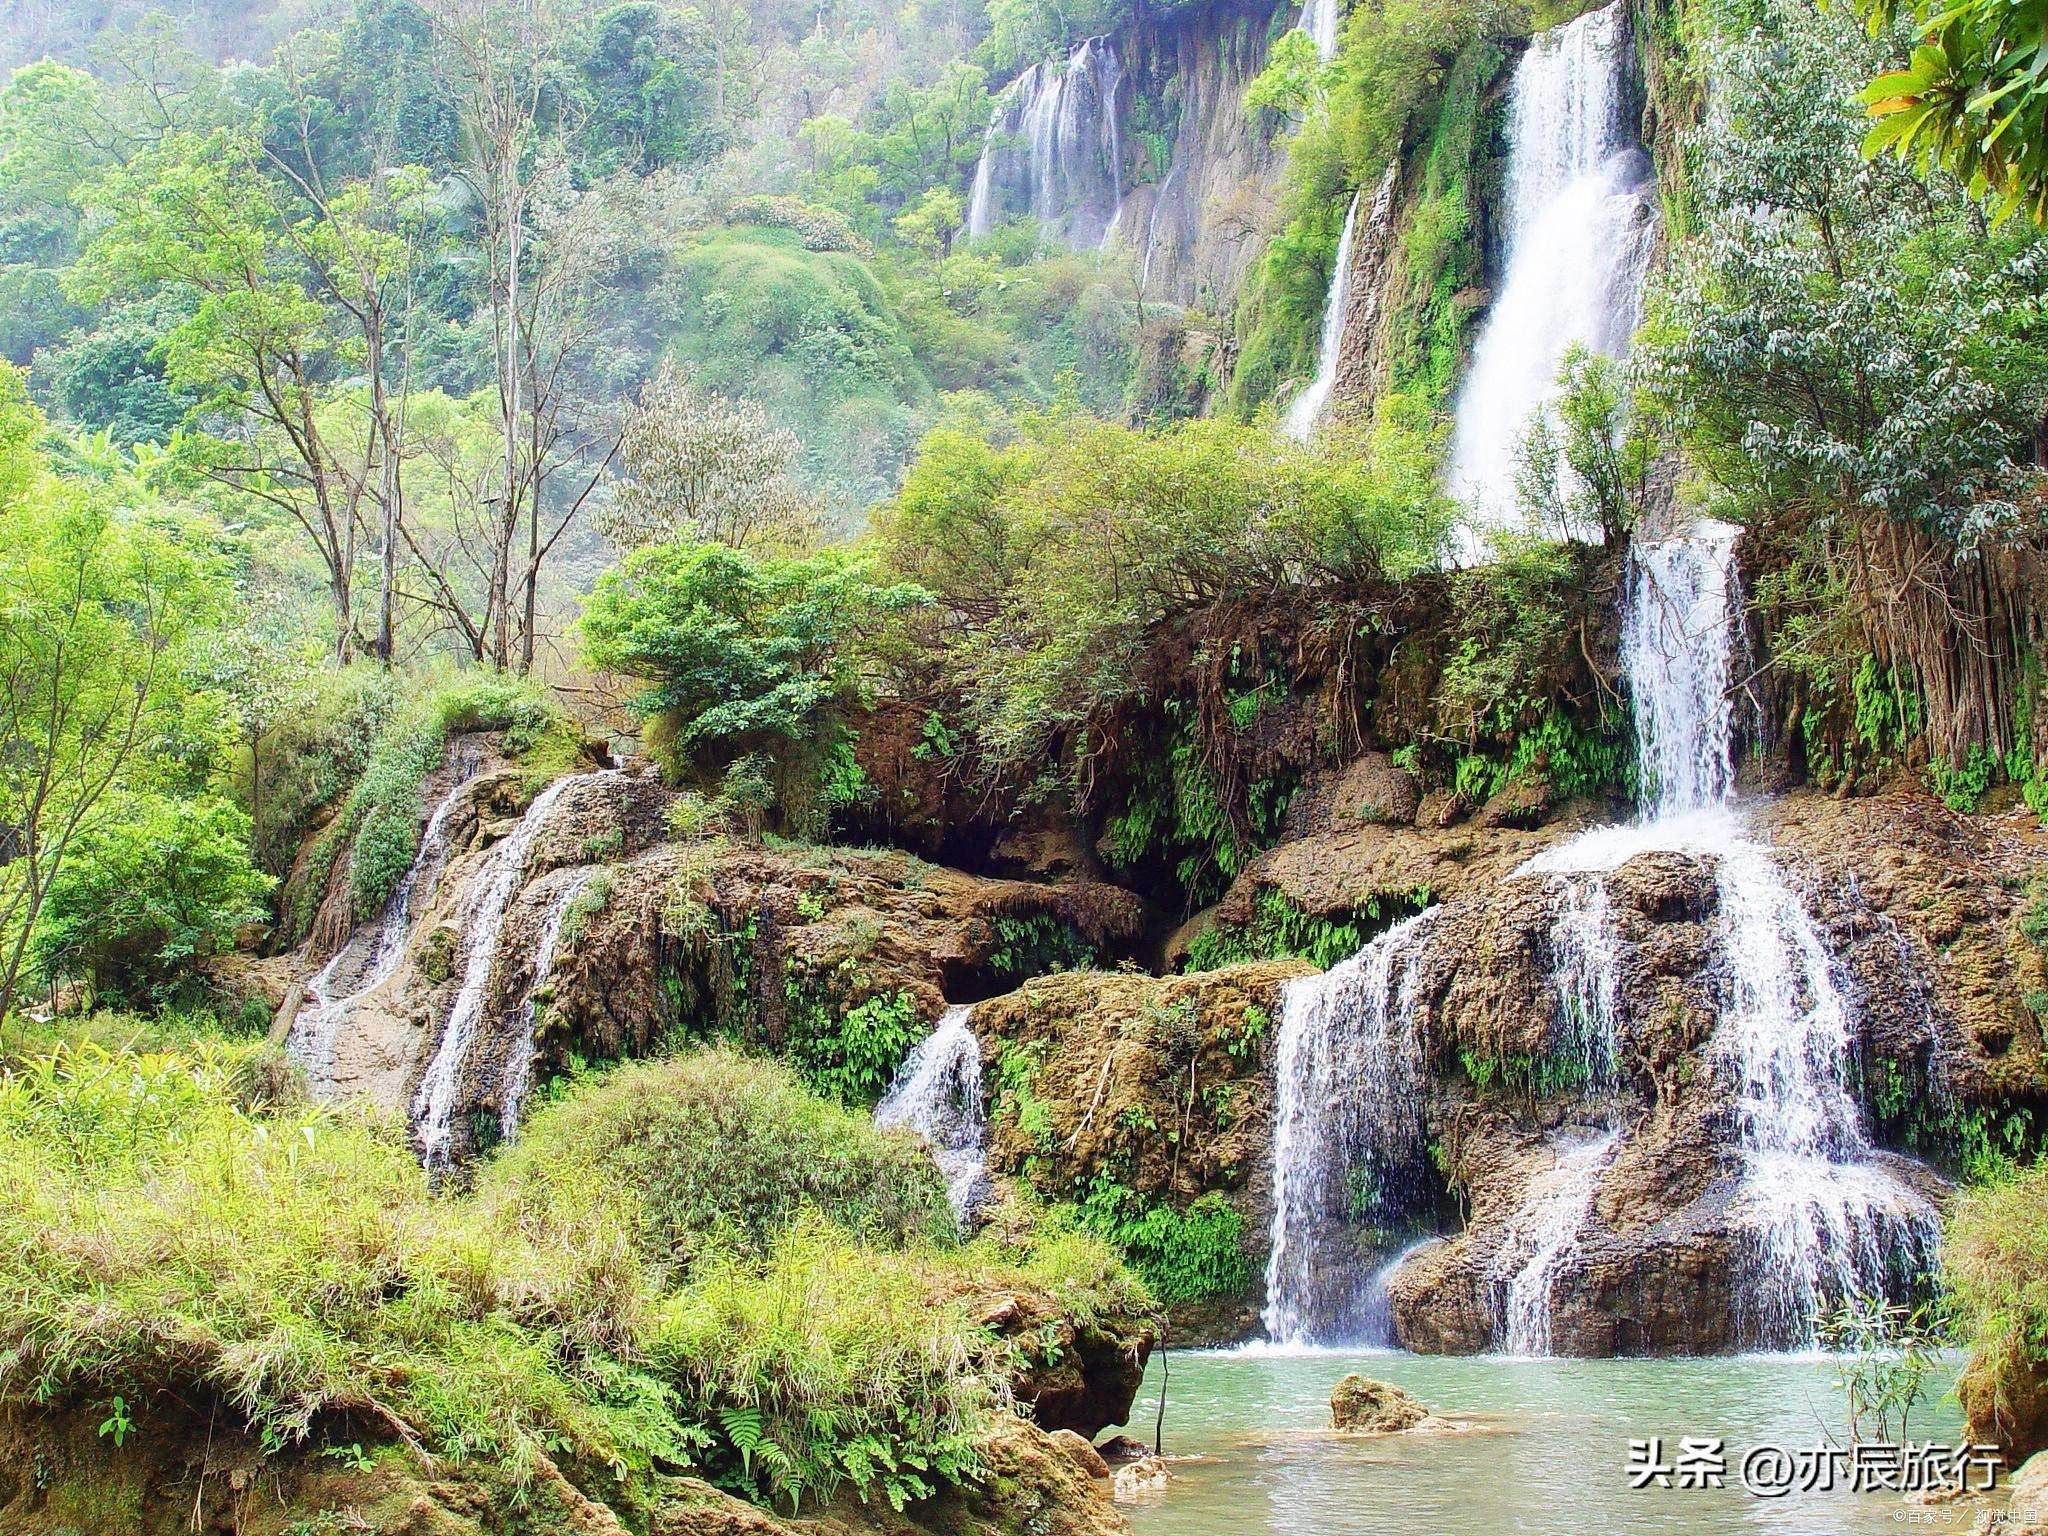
1973,96
747,655
698,466
929,223
91,608
155,884
1585,463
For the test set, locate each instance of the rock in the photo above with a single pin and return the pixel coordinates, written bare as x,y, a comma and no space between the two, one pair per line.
1088,1377
2026,1514
1441,808
1119,1450
1139,1478
1080,1453
1361,1406
1367,791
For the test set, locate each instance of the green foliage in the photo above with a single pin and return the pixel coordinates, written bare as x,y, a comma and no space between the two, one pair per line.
156,887
1962,785
1970,98
1278,926
1182,1256
1037,944
746,654
1995,1268
1887,1351
1585,463
852,1054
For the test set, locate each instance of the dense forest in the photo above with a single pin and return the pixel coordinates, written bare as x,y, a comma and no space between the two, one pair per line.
742,739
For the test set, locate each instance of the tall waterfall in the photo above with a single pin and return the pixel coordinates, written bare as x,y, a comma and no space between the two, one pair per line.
1054,149
1307,407
483,924
1348,1137
371,955
938,1094
1579,232
1319,21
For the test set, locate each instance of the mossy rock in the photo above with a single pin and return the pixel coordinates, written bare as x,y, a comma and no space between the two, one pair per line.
1361,1406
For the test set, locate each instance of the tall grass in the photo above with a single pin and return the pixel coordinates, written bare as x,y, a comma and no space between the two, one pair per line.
174,1229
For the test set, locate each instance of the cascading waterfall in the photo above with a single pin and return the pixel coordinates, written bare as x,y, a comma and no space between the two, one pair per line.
516,1081
483,924
1348,1139
1822,1215
1319,21
1580,228
1541,1236
370,957
1054,148
938,1094
1306,409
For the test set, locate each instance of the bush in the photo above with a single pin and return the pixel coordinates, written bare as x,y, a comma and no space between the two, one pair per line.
717,1150
157,886
1995,1265
1182,1256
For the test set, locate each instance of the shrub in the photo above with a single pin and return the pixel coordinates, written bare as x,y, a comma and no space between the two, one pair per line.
1182,1256
158,885
1995,1264
716,1150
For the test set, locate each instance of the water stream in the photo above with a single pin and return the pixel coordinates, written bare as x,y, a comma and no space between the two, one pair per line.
1348,1137
483,922
516,1081
370,956
1580,227
1319,21
938,1094
1306,409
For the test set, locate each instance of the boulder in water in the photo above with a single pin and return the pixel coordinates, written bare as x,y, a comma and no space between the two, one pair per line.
2027,1513
1361,1406
1120,1450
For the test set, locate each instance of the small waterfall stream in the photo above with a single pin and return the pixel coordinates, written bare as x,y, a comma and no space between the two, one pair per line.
938,1094
1348,1138
516,1080
370,957
1319,21
483,923
1306,409
1540,1237
1580,228
1054,149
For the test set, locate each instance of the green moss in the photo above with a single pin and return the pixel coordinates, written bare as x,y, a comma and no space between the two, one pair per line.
1190,1255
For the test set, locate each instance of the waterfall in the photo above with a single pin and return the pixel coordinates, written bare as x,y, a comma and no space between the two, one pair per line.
1579,230
516,1081
1307,407
483,923
938,1094
1822,1215
1541,1235
1348,1139
1152,224
370,957
1586,975
1054,148
1319,21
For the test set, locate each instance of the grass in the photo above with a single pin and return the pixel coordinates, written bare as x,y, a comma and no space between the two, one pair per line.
689,1264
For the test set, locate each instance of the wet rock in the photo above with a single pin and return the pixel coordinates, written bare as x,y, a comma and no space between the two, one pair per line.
1078,1379
1118,1450
1361,1406
1080,1453
2026,1514
1138,1479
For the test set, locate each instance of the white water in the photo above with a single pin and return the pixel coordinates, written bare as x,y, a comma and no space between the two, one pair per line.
1580,229
938,1094
1541,1236
370,956
1348,1138
1822,1214
516,1081
1306,409
483,923
1586,974
1319,21
1067,171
